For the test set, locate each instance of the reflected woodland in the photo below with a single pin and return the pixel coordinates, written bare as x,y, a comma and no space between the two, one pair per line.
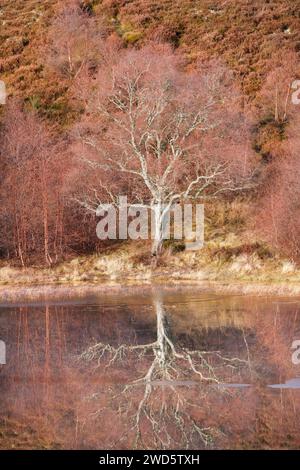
155,371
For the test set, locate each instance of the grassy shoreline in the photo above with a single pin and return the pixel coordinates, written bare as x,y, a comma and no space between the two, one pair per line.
227,268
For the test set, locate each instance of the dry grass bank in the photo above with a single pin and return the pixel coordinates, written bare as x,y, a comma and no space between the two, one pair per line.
230,257
222,270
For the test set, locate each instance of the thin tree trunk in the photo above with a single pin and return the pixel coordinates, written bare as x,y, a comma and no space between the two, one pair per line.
45,217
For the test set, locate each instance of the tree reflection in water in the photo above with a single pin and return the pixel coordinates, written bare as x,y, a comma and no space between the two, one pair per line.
154,380
163,407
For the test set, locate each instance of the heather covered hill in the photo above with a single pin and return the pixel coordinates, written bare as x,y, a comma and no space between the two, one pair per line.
247,34
23,29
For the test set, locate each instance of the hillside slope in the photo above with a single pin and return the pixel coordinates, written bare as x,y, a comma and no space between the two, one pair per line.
23,31
245,33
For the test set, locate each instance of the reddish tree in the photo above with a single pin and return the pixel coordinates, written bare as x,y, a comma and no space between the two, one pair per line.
75,40
276,94
31,211
279,210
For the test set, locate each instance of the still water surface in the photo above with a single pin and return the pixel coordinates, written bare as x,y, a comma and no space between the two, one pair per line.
150,369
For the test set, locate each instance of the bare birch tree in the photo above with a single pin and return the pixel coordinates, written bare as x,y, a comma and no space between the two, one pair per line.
161,135
75,40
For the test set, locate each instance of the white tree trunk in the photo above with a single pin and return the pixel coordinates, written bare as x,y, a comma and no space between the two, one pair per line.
159,213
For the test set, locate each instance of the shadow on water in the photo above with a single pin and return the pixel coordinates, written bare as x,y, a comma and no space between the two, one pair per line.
160,369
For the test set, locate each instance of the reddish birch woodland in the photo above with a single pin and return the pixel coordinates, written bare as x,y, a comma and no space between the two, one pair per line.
150,123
